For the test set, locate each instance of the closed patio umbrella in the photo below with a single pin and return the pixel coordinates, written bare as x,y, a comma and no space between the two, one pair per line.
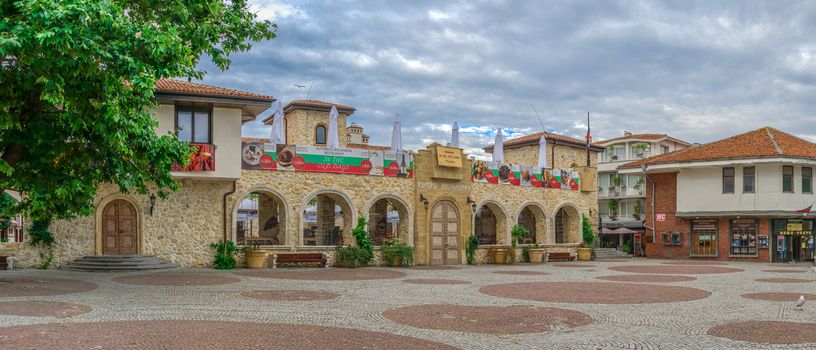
278,136
455,135
498,148
333,137
396,142
542,152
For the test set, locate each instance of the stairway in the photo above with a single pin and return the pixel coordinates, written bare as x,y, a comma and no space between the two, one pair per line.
108,263
610,253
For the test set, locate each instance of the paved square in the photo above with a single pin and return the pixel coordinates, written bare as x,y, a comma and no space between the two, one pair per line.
652,304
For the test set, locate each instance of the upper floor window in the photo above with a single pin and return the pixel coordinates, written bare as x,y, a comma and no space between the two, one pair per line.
616,152
807,180
748,179
320,135
664,149
728,180
193,124
787,179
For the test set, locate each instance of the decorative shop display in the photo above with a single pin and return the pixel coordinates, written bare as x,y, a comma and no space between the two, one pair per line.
201,159
523,175
302,158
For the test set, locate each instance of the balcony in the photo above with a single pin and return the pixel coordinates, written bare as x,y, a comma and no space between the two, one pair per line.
202,158
606,158
621,192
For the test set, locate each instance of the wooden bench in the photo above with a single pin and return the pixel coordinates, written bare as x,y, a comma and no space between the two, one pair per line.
299,258
560,256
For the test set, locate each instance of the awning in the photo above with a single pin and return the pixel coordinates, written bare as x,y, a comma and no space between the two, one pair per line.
617,231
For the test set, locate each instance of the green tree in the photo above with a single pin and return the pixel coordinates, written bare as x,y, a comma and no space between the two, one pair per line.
77,83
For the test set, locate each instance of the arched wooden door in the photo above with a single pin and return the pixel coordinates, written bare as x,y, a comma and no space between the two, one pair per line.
445,234
119,231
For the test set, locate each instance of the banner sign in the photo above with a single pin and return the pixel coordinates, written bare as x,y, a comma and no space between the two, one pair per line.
303,158
201,159
524,175
448,156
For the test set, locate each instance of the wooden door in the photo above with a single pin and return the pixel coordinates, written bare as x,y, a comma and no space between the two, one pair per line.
119,232
445,234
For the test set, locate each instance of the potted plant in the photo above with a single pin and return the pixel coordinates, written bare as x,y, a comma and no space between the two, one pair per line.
517,233
612,154
638,210
254,256
587,246
349,256
617,181
224,255
639,184
536,254
640,149
470,249
613,209
397,253
499,255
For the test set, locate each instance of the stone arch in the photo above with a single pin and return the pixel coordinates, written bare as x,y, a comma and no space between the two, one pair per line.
492,219
406,215
324,234
100,207
540,220
569,226
285,212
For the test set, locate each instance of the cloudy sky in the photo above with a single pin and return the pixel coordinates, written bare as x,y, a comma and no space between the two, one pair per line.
696,70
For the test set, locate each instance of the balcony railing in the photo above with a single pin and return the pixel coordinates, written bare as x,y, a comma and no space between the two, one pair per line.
620,192
606,158
202,158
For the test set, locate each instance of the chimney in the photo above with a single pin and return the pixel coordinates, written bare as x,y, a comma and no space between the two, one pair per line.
626,133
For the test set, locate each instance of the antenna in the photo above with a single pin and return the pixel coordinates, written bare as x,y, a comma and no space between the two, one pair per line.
539,118
310,89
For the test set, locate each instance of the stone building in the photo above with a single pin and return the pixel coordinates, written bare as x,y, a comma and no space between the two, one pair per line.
305,197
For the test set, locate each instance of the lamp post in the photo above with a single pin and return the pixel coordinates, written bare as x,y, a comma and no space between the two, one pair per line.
152,203
472,216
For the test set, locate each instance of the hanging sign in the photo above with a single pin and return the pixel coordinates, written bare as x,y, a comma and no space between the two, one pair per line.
302,158
523,175
449,157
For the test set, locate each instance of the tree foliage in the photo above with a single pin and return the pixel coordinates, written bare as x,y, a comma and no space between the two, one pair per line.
363,241
76,84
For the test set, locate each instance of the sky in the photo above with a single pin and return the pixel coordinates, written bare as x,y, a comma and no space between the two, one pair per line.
696,70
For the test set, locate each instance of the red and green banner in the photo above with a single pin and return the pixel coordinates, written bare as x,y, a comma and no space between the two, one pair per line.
523,175
303,158
201,159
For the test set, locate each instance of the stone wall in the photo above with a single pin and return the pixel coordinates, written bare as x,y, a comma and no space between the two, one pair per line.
565,156
301,124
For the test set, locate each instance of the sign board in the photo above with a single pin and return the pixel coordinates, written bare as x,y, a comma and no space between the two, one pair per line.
794,226
303,158
523,175
704,225
660,217
448,156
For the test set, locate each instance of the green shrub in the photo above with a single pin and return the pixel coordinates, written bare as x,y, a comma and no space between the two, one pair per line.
394,249
518,232
40,236
470,249
363,242
224,255
351,254
588,235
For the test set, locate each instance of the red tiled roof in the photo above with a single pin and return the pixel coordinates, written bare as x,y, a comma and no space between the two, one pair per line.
254,140
319,105
764,142
533,139
183,87
645,137
368,147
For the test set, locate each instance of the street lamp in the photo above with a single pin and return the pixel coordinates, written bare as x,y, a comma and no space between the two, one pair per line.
152,203
424,201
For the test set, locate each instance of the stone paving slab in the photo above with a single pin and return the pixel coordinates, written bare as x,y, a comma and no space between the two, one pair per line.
362,303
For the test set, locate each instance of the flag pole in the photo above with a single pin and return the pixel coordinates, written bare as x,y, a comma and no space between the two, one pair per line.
588,138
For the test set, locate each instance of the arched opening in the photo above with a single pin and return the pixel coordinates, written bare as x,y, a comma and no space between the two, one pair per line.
320,135
490,224
567,225
533,219
11,227
261,216
120,228
388,219
327,220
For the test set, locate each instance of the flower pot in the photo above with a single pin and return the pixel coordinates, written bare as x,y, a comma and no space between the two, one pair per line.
397,262
348,264
584,254
500,256
255,259
536,255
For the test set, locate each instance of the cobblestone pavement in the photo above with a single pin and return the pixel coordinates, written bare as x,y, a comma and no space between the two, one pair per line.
191,315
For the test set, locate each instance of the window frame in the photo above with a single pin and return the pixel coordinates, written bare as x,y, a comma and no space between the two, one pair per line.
713,245
753,179
193,109
731,224
733,180
791,190
325,134
807,180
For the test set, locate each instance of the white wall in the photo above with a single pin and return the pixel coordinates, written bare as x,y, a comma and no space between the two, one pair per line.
226,131
700,189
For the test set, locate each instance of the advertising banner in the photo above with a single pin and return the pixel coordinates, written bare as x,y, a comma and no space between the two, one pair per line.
302,158
524,175
201,159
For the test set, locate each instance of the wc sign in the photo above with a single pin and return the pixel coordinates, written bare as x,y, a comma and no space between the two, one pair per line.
660,217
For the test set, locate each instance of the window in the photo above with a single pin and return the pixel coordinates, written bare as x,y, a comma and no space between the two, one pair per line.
603,182
664,149
704,237
787,179
193,124
728,180
807,180
743,237
748,174
320,135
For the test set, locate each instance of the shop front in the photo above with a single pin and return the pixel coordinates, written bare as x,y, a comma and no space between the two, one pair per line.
793,240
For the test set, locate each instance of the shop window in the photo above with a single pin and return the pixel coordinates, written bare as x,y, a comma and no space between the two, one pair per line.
728,180
193,124
807,180
787,179
673,238
743,237
748,177
704,237
320,135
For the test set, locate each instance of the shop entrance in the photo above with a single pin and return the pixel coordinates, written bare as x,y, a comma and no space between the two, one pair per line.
793,240
445,234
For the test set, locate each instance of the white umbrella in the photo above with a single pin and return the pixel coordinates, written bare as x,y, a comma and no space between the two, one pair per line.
498,148
542,152
455,135
396,136
278,136
333,140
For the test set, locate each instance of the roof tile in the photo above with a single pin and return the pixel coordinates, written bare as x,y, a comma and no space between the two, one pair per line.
183,87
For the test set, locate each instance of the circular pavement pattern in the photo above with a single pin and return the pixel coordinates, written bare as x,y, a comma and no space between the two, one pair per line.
176,279
522,273
434,281
325,274
31,286
780,296
437,267
646,278
595,292
488,319
675,270
42,309
784,280
773,332
177,334
290,295
573,265
784,271
692,263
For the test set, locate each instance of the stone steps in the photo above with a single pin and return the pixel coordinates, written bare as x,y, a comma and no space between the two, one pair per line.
118,263
610,253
